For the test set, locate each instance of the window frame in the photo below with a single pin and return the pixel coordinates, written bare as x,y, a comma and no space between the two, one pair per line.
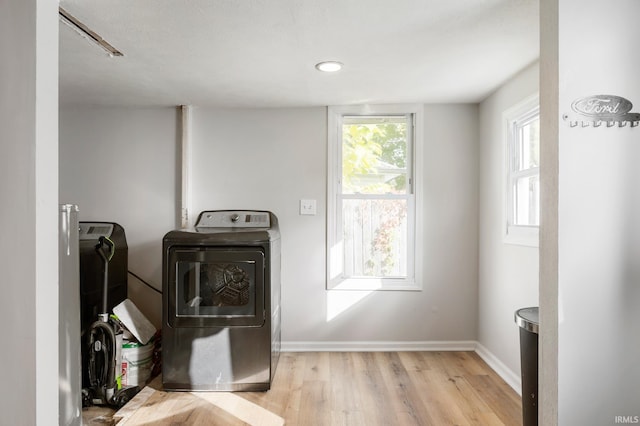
520,114
334,256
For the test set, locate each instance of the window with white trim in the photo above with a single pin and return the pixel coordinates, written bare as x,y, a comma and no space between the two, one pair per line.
522,194
372,202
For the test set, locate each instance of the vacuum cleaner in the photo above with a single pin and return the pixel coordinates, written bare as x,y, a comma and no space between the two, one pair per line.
104,347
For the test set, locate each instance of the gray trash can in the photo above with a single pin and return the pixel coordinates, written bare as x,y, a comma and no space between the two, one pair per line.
528,321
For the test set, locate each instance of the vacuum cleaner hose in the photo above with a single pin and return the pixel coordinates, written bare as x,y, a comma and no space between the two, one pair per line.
102,332
102,242
105,291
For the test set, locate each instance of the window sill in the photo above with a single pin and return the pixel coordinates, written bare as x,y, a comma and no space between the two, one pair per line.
373,284
522,236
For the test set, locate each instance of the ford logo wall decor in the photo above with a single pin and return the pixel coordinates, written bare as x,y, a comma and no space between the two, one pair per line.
599,109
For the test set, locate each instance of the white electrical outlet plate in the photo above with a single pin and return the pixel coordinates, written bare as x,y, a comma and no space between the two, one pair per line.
308,207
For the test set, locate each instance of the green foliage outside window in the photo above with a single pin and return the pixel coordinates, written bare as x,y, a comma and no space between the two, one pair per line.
374,158
374,161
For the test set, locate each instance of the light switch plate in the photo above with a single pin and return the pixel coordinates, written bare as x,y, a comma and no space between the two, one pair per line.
308,207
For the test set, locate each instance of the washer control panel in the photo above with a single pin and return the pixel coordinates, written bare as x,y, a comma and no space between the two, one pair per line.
233,219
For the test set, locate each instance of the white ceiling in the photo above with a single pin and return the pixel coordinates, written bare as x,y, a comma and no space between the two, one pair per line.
261,53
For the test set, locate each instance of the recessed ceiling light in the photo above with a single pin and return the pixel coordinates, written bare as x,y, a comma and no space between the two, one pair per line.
329,66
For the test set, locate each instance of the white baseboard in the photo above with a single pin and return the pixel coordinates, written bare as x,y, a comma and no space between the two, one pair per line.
512,379
465,345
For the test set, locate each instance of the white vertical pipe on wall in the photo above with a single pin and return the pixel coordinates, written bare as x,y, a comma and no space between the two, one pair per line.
185,143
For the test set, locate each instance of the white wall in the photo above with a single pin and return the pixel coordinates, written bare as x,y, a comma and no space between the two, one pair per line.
120,165
508,274
29,215
269,159
598,219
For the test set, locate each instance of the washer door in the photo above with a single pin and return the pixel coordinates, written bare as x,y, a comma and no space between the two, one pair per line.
210,287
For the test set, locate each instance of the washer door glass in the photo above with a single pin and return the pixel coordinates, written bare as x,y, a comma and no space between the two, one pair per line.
216,287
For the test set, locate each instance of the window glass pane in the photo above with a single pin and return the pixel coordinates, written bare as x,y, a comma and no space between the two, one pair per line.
528,144
526,197
522,193
375,237
374,155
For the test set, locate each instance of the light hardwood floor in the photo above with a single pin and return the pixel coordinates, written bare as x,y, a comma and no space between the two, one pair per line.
346,388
